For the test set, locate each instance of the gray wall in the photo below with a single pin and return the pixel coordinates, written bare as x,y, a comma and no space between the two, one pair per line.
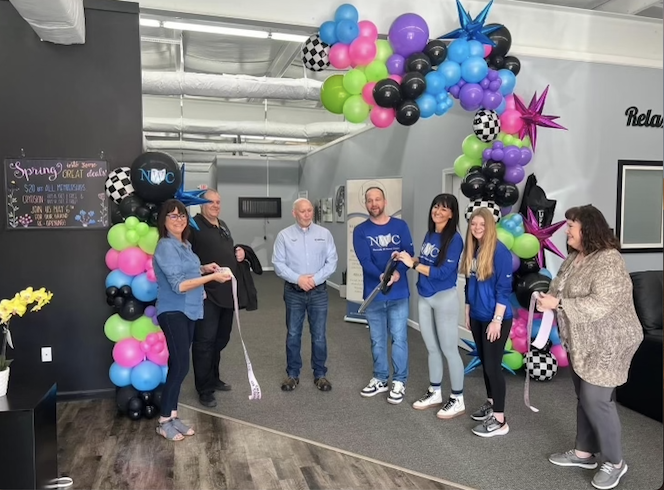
575,167
242,177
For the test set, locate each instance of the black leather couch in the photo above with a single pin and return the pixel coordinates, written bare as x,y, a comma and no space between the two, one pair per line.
645,384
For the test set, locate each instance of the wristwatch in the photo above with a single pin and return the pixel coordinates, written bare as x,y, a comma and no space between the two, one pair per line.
414,266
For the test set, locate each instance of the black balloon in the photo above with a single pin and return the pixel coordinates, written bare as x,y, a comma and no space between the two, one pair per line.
507,195
146,396
122,397
125,291
412,86
436,50
110,301
418,62
149,411
119,302
112,291
156,396
528,266
512,64
496,62
130,205
134,414
135,403
154,218
490,189
493,170
116,215
387,93
473,185
528,284
131,310
502,38
408,113
155,176
143,213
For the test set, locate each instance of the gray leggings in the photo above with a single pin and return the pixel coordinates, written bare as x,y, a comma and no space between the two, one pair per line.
439,318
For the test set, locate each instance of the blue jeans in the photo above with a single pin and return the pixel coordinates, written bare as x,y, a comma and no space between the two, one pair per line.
314,304
389,317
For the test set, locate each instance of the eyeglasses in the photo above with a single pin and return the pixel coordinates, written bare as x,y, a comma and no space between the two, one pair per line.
177,217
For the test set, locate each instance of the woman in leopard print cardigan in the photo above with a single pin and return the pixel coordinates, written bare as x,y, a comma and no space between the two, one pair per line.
598,326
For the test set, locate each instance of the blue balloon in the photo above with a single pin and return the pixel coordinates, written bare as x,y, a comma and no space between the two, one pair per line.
517,218
427,104
508,81
347,31
458,50
164,373
435,83
146,376
142,289
474,69
328,33
518,230
476,48
508,224
346,12
118,279
536,326
554,336
120,376
501,108
545,272
451,71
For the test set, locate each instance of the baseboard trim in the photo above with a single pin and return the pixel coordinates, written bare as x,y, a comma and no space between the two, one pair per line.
268,269
68,396
333,285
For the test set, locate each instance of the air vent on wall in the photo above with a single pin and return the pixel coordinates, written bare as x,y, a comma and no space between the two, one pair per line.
259,207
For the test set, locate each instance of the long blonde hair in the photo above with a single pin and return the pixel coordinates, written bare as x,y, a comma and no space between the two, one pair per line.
487,249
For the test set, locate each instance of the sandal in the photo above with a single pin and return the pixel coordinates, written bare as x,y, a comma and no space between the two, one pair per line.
182,428
168,431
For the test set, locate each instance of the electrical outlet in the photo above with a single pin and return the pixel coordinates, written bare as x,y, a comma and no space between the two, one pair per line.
46,354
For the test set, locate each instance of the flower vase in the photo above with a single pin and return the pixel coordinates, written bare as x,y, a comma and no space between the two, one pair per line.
4,382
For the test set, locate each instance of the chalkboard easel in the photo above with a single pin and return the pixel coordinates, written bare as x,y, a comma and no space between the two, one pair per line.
48,193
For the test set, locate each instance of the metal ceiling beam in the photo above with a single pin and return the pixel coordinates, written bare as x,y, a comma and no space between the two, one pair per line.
283,60
229,147
630,7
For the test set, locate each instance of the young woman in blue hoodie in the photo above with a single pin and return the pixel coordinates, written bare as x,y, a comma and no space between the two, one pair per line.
487,265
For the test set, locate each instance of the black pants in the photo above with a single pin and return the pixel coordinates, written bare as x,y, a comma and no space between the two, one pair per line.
211,336
179,332
491,355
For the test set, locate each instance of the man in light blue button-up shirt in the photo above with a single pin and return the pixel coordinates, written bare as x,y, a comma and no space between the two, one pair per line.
304,256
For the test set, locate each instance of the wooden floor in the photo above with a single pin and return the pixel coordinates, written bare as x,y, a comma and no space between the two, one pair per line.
101,450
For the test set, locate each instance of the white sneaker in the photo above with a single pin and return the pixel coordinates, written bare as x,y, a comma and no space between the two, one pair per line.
396,393
430,399
374,387
453,408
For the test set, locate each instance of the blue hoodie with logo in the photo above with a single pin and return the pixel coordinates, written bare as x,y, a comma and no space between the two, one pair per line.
444,276
482,296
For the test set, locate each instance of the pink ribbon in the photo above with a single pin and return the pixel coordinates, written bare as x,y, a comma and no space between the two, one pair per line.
542,337
253,382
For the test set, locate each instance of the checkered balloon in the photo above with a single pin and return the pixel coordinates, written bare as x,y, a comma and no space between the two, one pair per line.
486,125
118,184
490,205
315,54
541,365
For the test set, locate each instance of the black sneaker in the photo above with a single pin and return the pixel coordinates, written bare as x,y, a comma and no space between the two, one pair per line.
289,384
207,400
483,413
221,386
323,384
491,427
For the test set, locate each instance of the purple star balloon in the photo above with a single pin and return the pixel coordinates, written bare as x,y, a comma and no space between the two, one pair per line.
543,235
532,116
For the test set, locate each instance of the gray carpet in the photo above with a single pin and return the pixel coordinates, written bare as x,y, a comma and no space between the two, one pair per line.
406,437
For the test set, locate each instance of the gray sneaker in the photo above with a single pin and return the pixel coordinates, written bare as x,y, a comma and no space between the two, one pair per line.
608,476
483,413
570,458
491,427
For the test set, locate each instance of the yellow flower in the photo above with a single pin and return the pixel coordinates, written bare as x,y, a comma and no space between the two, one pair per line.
18,305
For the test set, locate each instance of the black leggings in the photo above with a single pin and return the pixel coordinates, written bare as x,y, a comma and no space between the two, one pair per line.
179,332
491,355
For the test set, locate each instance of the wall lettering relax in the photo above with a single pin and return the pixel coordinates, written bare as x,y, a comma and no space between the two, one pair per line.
647,119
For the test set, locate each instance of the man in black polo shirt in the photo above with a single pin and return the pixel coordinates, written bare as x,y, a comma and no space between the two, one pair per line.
213,242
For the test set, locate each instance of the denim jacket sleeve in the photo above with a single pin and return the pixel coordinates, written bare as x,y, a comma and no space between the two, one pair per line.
167,257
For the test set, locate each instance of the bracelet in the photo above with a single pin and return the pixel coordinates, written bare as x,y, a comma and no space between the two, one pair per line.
497,319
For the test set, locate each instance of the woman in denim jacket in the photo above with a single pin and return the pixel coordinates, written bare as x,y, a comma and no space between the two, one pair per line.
180,280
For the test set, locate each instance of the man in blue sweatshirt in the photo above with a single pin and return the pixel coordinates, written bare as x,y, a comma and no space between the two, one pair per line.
376,241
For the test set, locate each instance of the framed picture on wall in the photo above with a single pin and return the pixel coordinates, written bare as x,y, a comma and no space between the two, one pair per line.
640,207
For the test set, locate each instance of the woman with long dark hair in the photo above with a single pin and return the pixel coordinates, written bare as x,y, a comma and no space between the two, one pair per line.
599,328
179,304
438,303
487,265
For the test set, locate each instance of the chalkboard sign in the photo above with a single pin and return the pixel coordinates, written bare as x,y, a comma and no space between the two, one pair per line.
48,193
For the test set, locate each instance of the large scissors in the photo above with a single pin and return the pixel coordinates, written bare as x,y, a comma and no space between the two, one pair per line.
383,285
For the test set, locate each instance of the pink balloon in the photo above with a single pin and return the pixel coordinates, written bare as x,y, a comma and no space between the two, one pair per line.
152,338
112,259
145,347
127,353
148,264
368,30
159,358
362,51
520,345
487,50
367,93
131,261
509,102
339,56
510,121
560,354
151,275
521,331
161,336
396,78
382,117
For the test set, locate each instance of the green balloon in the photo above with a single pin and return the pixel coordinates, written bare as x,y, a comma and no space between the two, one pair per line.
526,246
333,94
132,237
142,327
513,360
473,147
508,344
526,143
383,50
506,237
354,81
463,163
116,328
356,110
132,222
376,71
148,242
117,237
142,229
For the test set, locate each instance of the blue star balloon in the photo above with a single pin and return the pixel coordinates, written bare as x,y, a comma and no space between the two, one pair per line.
473,28
190,198
476,361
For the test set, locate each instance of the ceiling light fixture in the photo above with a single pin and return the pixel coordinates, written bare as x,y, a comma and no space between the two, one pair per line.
228,31
295,38
150,22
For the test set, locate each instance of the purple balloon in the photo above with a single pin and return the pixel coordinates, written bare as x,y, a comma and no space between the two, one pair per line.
526,156
493,75
461,83
491,100
155,321
150,311
498,145
516,261
470,96
494,85
485,83
486,154
454,91
497,155
512,156
514,174
396,65
408,34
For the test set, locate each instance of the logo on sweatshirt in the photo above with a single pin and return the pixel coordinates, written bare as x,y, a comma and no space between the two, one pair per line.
387,242
429,250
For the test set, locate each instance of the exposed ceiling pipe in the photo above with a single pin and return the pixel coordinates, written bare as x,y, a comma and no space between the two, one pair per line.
229,147
251,128
55,21
229,86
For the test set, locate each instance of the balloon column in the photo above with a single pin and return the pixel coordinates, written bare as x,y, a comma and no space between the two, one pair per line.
140,355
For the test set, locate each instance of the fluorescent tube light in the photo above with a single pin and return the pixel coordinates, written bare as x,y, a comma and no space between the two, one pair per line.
296,38
150,22
229,31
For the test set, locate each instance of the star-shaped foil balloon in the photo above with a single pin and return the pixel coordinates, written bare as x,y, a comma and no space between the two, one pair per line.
190,198
544,235
532,117
476,361
473,28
